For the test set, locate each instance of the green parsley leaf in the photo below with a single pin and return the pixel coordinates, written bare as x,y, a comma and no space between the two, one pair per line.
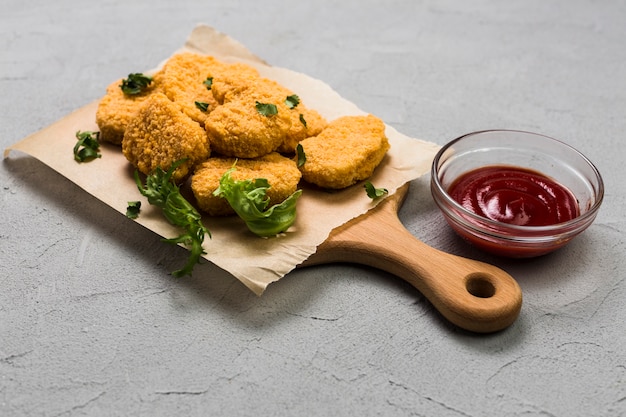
292,101
249,200
162,192
302,120
132,211
202,105
266,109
135,84
208,82
301,156
373,192
87,147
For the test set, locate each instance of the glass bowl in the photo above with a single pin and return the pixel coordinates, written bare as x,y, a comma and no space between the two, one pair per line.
548,156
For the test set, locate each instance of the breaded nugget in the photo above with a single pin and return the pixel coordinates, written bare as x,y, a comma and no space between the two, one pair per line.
281,173
238,129
233,80
305,122
239,84
116,109
161,134
182,80
347,151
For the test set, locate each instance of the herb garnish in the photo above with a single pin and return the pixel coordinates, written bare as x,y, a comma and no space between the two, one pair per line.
202,105
87,147
208,82
133,209
135,84
162,192
266,109
292,101
249,200
302,120
301,156
373,192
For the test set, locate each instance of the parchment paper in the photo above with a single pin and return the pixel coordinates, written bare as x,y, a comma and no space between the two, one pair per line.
256,262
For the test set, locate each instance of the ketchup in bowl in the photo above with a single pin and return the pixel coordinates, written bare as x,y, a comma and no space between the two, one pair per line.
514,195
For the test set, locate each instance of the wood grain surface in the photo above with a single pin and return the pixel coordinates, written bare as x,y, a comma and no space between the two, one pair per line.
474,295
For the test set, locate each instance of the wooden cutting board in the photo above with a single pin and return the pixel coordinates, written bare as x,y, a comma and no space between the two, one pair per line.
474,295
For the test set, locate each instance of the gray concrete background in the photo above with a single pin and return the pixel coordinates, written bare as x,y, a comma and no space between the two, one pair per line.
92,324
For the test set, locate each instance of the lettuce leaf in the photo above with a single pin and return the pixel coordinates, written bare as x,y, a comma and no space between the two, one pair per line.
249,200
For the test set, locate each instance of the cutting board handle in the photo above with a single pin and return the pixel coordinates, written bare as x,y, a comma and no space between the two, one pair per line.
474,295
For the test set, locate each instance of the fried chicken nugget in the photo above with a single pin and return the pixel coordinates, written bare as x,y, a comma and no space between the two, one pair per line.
281,173
161,134
242,82
345,152
239,129
116,109
233,81
183,81
305,122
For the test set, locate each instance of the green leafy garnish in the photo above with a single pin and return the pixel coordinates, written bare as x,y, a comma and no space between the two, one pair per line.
373,192
162,192
87,147
302,120
301,156
266,109
249,200
133,209
208,82
135,84
202,105
292,101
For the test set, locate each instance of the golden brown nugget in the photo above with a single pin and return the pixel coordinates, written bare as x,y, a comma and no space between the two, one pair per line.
239,84
281,173
347,151
238,129
233,80
161,134
183,80
305,122
116,109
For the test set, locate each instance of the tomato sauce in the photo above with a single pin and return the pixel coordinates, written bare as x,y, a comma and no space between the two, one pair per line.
513,195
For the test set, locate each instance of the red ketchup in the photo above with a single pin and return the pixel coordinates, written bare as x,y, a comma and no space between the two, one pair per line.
513,195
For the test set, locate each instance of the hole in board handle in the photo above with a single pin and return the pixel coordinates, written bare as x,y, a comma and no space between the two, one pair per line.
480,285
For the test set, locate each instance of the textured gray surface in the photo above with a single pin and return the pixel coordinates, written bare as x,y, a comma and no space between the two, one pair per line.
92,324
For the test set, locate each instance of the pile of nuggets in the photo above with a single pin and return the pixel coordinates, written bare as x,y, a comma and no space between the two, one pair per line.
205,112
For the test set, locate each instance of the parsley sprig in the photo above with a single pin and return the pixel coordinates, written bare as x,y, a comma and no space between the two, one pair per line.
300,155
135,84
87,146
373,192
266,109
133,209
202,106
161,191
292,101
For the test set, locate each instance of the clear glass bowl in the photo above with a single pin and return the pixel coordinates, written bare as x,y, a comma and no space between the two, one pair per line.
546,155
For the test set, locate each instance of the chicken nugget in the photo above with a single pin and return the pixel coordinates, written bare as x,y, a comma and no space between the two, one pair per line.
305,122
249,127
281,173
116,109
233,80
345,152
161,134
184,80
